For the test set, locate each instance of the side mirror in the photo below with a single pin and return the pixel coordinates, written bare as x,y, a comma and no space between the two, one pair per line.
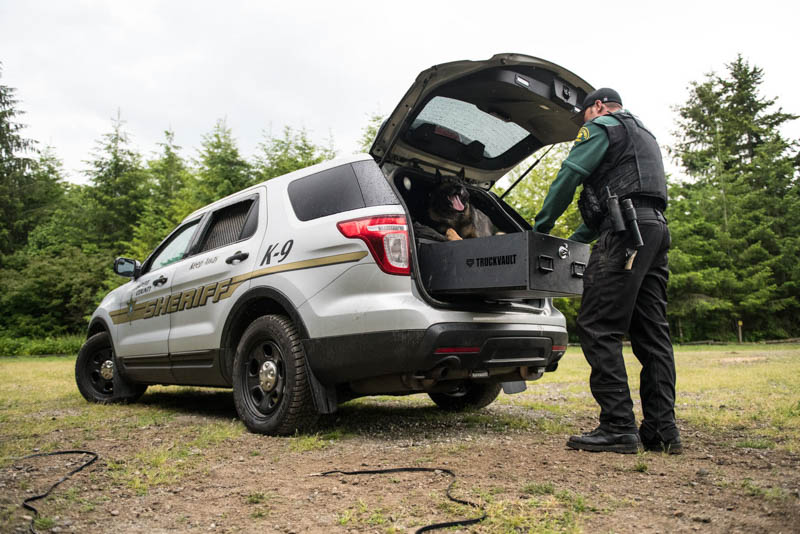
127,267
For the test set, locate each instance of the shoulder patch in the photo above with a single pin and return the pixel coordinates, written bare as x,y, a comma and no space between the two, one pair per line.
583,135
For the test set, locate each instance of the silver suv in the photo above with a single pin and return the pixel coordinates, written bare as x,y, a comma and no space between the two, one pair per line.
307,290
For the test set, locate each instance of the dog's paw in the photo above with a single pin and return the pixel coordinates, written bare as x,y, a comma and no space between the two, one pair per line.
452,235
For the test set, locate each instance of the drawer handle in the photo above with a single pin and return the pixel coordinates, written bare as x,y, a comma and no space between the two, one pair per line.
546,264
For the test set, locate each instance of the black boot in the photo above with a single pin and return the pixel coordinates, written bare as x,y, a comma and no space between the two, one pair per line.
658,444
599,440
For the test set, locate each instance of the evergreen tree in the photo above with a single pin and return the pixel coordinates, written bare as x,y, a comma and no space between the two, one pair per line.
24,190
281,155
12,145
735,220
169,170
65,225
120,186
37,193
166,207
221,169
370,132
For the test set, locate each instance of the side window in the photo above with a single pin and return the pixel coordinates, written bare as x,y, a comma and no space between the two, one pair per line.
230,224
344,188
174,249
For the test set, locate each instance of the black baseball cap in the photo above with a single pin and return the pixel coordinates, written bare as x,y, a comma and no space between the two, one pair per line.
604,94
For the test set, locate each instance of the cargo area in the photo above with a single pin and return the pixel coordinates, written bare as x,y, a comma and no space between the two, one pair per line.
514,263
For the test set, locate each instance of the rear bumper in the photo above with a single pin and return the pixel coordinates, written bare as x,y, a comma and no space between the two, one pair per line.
473,347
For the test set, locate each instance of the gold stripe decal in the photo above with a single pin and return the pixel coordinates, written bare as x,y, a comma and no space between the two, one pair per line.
216,291
305,264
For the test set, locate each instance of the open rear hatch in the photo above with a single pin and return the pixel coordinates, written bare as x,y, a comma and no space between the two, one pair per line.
476,120
479,119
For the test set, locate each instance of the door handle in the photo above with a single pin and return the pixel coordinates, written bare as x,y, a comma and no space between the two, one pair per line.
239,256
160,281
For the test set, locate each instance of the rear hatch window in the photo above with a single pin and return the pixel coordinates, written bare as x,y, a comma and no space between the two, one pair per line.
465,123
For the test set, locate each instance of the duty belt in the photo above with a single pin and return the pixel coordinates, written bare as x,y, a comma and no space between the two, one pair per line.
643,214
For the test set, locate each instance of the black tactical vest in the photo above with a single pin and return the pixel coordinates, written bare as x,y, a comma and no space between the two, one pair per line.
631,167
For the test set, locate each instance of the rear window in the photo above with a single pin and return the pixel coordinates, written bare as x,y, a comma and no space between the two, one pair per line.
344,188
465,123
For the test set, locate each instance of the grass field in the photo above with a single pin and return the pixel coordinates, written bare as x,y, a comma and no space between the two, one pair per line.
751,392
734,401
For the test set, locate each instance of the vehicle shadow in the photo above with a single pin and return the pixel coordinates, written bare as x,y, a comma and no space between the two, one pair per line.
382,419
378,418
212,403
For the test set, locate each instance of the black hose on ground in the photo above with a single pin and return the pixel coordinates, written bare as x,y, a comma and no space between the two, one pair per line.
26,503
435,526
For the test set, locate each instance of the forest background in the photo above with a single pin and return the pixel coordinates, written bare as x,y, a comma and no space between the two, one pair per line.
734,210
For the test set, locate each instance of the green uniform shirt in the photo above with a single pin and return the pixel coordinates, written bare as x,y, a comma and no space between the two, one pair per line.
586,154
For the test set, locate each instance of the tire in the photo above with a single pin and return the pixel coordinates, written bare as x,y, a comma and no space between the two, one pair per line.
270,383
97,375
467,396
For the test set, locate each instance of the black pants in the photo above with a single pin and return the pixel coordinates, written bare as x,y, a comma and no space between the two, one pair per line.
616,301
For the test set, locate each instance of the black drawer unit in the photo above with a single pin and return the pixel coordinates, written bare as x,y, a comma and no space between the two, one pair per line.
519,265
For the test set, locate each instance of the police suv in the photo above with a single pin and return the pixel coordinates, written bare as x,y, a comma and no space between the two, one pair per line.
306,290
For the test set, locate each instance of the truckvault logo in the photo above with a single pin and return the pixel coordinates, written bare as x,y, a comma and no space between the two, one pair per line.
492,261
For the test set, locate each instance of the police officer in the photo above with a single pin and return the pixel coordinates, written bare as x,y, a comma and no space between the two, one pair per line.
625,287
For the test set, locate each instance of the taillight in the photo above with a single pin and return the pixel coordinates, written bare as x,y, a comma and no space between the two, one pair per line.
387,239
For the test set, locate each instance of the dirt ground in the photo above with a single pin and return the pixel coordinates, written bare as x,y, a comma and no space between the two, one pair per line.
522,474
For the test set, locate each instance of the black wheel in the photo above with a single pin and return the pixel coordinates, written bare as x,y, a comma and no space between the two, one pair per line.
467,396
270,383
96,373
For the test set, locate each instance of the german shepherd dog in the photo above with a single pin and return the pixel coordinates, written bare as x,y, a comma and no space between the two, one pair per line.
450,213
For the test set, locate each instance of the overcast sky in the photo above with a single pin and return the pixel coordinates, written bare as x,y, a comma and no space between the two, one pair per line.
326,66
